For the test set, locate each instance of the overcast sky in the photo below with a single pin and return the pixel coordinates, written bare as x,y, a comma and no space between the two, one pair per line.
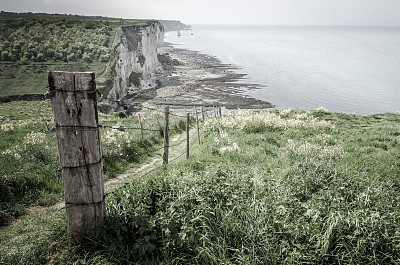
275,12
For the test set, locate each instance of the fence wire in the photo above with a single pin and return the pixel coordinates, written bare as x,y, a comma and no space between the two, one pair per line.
49,128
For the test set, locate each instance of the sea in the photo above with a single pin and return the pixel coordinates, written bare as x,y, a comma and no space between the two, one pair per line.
345,69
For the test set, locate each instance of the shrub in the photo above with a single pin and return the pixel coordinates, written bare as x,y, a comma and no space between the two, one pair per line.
86,58
71,57
104,58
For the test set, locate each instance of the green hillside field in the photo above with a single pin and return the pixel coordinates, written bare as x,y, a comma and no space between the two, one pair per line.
32,45
264,187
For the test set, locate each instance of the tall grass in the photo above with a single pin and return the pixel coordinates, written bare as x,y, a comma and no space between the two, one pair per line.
29,156
266,187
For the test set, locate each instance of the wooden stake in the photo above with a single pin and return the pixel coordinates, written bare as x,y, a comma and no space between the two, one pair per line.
198,128
187,135
73,98
202,114
166,135
141,126
220,111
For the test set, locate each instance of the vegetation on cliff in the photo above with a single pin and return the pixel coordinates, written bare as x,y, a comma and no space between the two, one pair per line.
31,45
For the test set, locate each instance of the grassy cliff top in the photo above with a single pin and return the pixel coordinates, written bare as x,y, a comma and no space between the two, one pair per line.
264,187
18,16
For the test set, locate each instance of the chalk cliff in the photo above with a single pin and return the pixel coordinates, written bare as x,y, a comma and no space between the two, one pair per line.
136,61
173,25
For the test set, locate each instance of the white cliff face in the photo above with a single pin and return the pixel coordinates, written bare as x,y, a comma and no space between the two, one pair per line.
136,61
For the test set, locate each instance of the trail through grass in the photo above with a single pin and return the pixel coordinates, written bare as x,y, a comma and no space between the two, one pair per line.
265,187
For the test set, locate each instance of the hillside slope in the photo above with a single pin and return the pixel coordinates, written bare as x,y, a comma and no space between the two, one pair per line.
264,187
122,53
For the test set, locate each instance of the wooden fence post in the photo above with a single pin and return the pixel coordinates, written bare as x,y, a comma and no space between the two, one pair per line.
166,135
202,113
73,98
197,124
220,111
141,126
215,111
187,135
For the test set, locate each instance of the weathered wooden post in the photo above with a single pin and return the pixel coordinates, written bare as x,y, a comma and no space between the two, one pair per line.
166,135
141,126
202,113
219,111
73,98
187,135
197,125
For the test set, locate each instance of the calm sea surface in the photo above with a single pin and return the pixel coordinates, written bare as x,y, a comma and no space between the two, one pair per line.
345,69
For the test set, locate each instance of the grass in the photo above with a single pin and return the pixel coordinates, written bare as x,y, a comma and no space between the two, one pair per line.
265,187
34,239
18,79
29,155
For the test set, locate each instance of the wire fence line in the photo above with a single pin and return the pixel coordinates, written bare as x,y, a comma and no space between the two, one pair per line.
155,169
81,134
192,114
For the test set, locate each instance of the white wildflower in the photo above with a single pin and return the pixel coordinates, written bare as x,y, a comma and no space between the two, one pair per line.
319,109
242,118
35,138
230,148
285,111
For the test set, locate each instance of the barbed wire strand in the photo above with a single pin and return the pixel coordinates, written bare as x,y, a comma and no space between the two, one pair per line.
124,185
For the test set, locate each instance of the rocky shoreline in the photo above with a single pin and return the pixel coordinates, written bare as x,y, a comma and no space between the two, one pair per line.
192,78
188,78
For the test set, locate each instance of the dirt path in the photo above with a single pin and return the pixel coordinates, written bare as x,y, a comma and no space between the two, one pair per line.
130,172
116,180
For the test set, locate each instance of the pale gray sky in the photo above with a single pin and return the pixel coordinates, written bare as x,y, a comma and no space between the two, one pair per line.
276,12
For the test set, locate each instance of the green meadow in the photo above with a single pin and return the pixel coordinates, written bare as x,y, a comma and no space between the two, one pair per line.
264,187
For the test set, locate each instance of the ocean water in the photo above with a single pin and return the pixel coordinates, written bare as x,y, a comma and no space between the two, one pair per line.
344,69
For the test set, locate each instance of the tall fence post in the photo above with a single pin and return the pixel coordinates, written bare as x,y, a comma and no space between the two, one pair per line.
215,111
187,135
166,135
197,125
141,126
73,98
202,113
220,111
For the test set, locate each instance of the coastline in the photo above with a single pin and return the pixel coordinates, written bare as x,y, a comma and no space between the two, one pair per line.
192,78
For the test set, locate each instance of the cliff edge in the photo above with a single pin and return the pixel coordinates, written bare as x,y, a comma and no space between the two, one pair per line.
173,25
136,63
